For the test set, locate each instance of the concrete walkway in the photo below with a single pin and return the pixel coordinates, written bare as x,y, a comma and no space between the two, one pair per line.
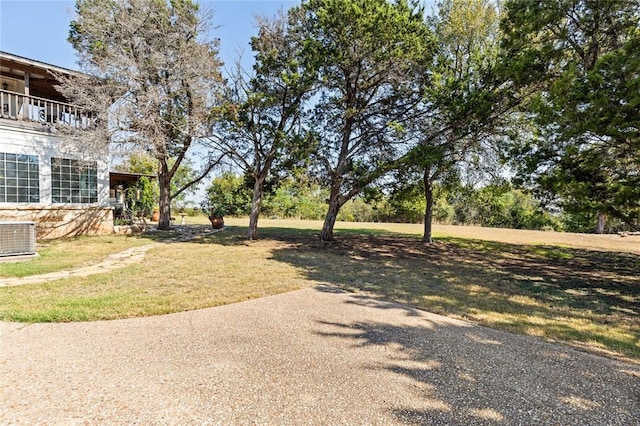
314,356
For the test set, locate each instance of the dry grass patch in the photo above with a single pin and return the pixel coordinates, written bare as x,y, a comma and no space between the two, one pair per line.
174,277
70,253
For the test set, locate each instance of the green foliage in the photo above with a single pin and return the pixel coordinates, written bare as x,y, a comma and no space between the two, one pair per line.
262,131
582,58
229,193
494,205
139,163
180,186
217,211
142,197
297,196
360,209
464,91
443,212
586,222
501,205
408,204
294,197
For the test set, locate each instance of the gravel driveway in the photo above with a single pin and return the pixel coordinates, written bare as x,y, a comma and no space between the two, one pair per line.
314,356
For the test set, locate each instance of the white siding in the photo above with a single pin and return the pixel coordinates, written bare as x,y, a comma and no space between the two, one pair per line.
15,139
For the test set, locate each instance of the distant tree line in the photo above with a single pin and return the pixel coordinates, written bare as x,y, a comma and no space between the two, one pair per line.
374,110
498,204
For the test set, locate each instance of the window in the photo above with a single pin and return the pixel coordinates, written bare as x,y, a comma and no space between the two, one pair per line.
74,181
19,178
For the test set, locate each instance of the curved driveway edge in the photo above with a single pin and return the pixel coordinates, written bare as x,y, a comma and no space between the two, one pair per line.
314,356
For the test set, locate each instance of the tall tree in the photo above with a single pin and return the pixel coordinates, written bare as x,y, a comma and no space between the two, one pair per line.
464,103
153,78
367,53
263,126
587,54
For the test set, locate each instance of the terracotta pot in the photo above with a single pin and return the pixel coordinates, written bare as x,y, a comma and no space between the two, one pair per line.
217,222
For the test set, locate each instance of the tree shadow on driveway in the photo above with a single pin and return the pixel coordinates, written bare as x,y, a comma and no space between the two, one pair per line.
587,298
462,374
468,374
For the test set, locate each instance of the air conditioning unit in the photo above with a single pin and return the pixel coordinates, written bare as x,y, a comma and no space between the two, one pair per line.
17,238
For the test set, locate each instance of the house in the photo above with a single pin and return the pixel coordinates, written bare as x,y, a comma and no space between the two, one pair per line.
42,179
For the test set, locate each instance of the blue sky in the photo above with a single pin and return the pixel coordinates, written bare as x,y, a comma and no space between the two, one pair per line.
38,29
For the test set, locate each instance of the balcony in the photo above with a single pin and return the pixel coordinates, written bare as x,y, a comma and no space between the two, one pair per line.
23,108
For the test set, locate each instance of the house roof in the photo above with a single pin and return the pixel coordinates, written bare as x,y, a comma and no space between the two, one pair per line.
43,77
18,64
116,178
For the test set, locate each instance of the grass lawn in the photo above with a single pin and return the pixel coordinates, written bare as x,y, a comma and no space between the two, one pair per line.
580,289
61,254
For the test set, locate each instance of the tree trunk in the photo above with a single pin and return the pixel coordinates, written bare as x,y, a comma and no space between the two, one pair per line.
256,202
329,222
602,221
164,182
332,214
428,211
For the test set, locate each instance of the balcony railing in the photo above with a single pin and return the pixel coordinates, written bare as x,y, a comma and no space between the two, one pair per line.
20,107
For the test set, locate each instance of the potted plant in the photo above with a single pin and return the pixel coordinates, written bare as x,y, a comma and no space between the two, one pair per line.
216,216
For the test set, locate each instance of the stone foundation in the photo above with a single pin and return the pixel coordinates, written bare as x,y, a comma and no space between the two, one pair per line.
58,222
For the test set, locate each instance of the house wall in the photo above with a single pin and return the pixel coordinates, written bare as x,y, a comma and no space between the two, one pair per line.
55,220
